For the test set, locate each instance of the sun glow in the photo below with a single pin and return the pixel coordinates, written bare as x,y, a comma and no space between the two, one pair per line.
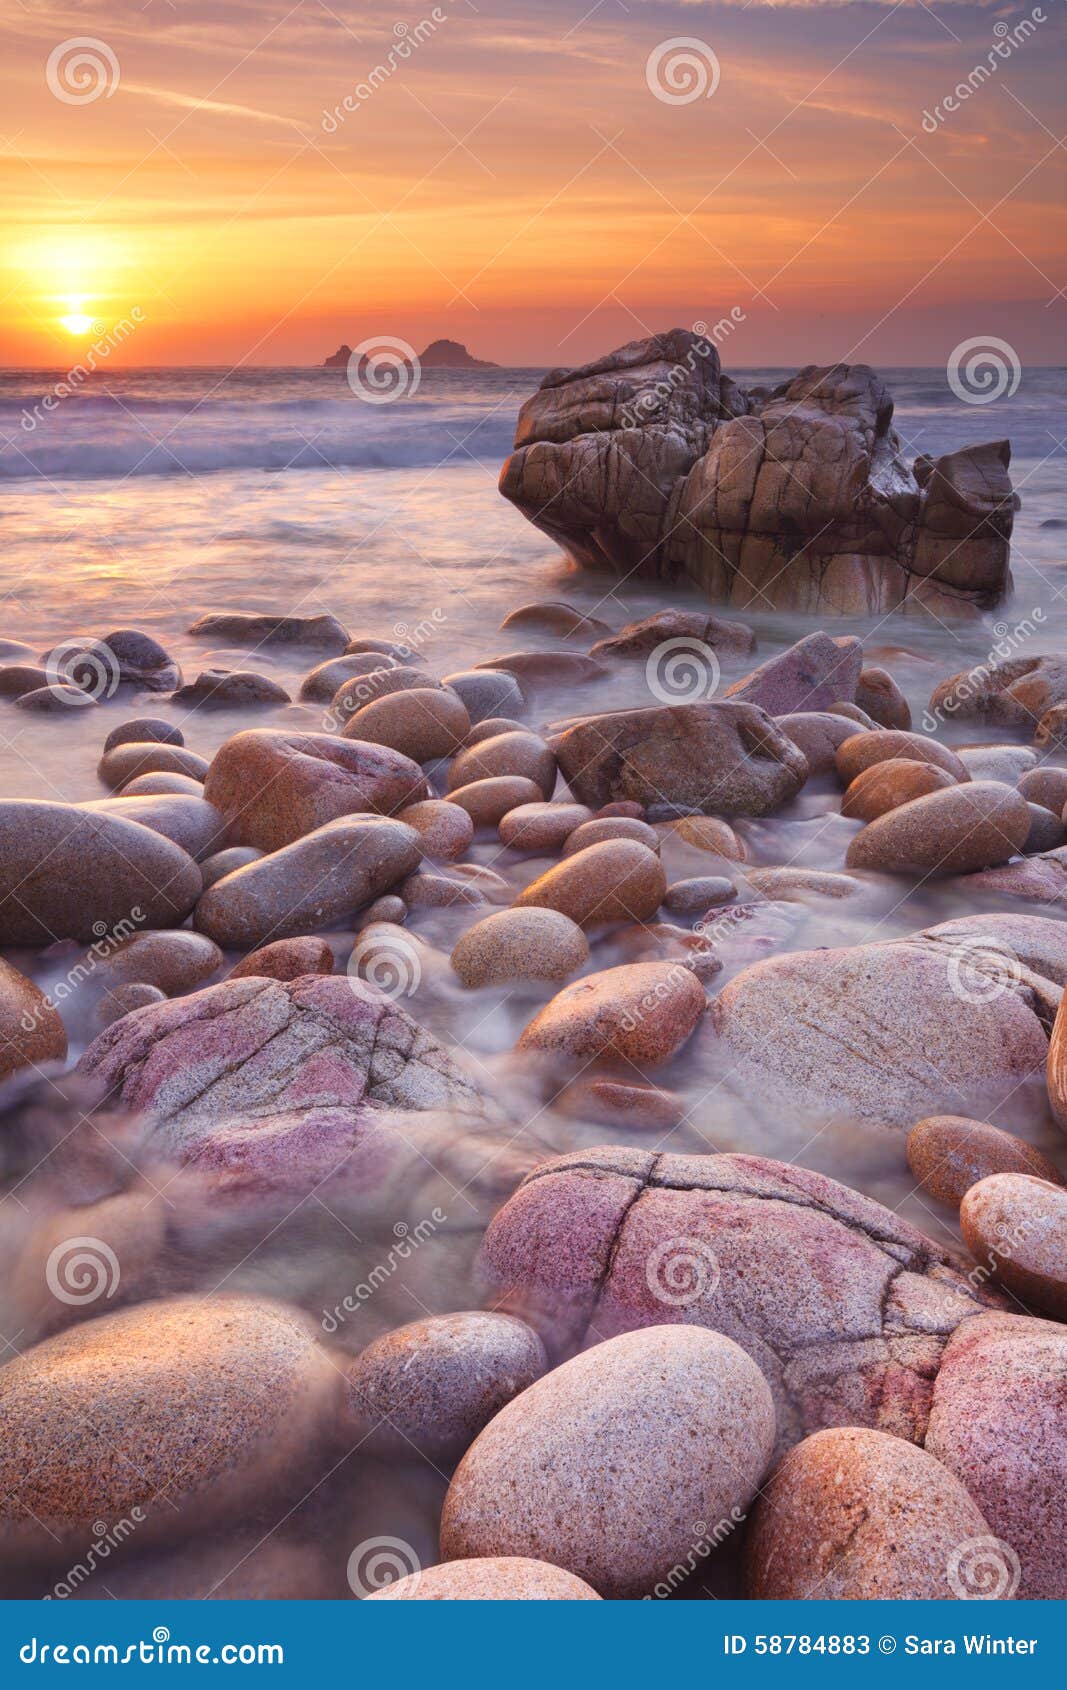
77,323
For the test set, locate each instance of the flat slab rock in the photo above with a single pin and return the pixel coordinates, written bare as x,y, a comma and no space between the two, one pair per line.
845,1308
257,1051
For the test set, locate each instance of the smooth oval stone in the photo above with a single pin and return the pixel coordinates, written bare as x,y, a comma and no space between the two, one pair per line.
997,1422
19,678
231,688
492,726
192,823
637,639
489,1578
176,961
523,754
526,944
595,832
622,807
433,1385
469,884
144,730
286,959
215,1402
487,692
885,786
444,828
541,827
123,762
1016,1226
224,862
1045,786
273,787
618,880
863,750
422,723
358,691
322,682
314,882
634,1107
396,649
879,696
123,1000
693,1429
390,909
855,1515
853,713
798,885
156,785
997,762
53,699
817,733
641,1013
487,802
1047,832
243,628
710,833
955,831
555,617
538,669
73,873
31,1028
686,897
950,1153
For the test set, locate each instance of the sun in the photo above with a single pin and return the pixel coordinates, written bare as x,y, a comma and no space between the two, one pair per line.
77,323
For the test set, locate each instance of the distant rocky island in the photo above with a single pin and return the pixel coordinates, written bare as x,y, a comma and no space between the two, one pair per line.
439,355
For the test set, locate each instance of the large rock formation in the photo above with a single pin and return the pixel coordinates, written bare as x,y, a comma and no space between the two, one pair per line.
650,460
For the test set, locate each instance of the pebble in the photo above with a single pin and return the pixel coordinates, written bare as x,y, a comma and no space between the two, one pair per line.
487,692
286,959
1047,832
22,1002
709,833
520,944
224,862
687,897
144,730
634,1108
489,1578
541,827
123,762
356,693
54,699
555,617
1046,786
955,831
243,628
321,683
863,750
600,828
641,1013
192,823
177,961
422,723
445,828
524,754
231,688
492,726
817,733
618,880
885,786
488,801
881,698
1016,1225
122,1000
950,1153
160,784
469,883
19,678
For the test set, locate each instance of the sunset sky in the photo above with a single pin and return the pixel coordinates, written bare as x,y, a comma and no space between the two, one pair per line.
516,184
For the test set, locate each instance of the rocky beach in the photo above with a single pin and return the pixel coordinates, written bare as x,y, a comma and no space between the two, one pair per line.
532,1043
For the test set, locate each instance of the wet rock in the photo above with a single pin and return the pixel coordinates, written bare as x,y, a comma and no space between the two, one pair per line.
433,1385
470,884
1046,786
1016,694
1046,833
1007,763
688,897
124,657
886,786
862,751
813,674
391,909
492,726
618,880
192,823
315,882
286,959
421,723
31,1028
950,1153
523,754
161,784
843,1306
635,1108
798,498
639,639
231,688
520,944
489,1578
19,678
324,681
70,873
143,730
488,801
273,787
224,862
122,1000
359,691
956,831
239,628
817,733
853,713
538,670
175,962
1051,731
445,829
705,758
123,762
54,699
542,827
997,1422
640,1013
601,828
487,692
395,649
540,1479
1017,1226
878,694
553,617
799,885
855,1515
216,1403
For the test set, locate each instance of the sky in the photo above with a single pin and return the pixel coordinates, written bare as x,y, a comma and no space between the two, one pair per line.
539,179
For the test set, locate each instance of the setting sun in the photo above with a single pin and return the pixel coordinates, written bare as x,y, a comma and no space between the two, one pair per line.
77,323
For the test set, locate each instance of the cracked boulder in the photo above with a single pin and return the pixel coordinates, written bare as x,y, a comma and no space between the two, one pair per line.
953,1019
651,461
845,1308
257,1076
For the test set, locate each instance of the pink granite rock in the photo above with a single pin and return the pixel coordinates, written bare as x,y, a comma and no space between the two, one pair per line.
286,959
488,1578
640,1013
813,674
